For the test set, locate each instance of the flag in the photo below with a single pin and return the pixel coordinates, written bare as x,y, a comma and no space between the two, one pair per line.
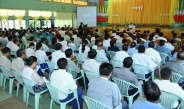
101,2
175,16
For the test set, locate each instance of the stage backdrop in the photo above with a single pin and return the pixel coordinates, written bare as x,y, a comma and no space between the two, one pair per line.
141,11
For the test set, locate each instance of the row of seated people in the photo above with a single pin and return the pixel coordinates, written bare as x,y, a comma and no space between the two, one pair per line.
88,65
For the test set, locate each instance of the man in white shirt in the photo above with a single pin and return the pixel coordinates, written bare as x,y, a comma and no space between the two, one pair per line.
166,85
64,81
10,44
15,46
101,53
45,47
151,52
114,33
30,51
117,35
106,42
121,55
141,59
169,45
74,35
57,54
91,64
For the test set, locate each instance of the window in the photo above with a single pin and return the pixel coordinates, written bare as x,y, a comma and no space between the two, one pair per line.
11,24
40,23
62,19
23,24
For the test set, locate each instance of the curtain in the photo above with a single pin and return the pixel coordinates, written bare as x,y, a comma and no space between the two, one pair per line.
62,18
75,20
139,11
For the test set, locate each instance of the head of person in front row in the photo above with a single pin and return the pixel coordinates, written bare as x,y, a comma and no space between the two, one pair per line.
127,62
69,53
6,52
32,62
151,45
166,73
62,63
141,49
39,46
58,47
21,53
125,47
180,56
151,92
106,70
92,54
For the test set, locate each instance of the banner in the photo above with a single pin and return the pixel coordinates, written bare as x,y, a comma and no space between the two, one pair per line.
93,2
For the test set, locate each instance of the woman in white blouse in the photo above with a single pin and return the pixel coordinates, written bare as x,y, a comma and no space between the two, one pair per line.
84,49
40,54
45,47
30,73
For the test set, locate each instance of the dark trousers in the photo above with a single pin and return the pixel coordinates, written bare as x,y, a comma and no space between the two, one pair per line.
148,75
132,92
73,103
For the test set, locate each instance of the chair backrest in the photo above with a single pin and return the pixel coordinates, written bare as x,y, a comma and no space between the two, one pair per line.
77,44
100,60
94,104
123,85
73,48
140,70
70,70
53,92
17,76
116,63
28,85
91,75
81,58
5,71
164,57
176,77
52,50
167,99
51,65
14,53
111,54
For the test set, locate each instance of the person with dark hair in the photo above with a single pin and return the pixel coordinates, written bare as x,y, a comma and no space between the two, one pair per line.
126,74
57,54
113,33
72,44
40,54
166,85
151,52
29,72
106,42
161,37
101,53
18,64
30,51
96,43
105,91
146,44
152,94
10,43
44,46
175,54
84,49
132,50
91,64
4,61
53,42
121,55
112,46
15,46
1,48
162,48
141,59
64,81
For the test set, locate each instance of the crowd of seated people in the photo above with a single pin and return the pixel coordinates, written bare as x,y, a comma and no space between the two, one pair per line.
28,51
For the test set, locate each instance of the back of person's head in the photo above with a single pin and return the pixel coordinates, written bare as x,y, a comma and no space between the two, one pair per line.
180,55
151,91
68,53
61,39
138,40
6,50
132,45
38,46
100,44
166,73
112,43
31,60
106,37
62,63
127,62
84,43
105,69
31,44
20,52
151,38
10,38
172,41
124,41
114,31
58,46
151,44
71,39
161,42
125,47
54,41
92,54
96,42
141,49
43,40
15,41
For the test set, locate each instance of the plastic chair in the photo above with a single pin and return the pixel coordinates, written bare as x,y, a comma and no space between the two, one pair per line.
19,80
90,74
141,71
1,78
51,66
70,70
164,57
158,65
54,96
100,60
167,100
6,76
111,54
28,85
116,63
14,53
95,104
80,59
124,86
52,50
176,77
